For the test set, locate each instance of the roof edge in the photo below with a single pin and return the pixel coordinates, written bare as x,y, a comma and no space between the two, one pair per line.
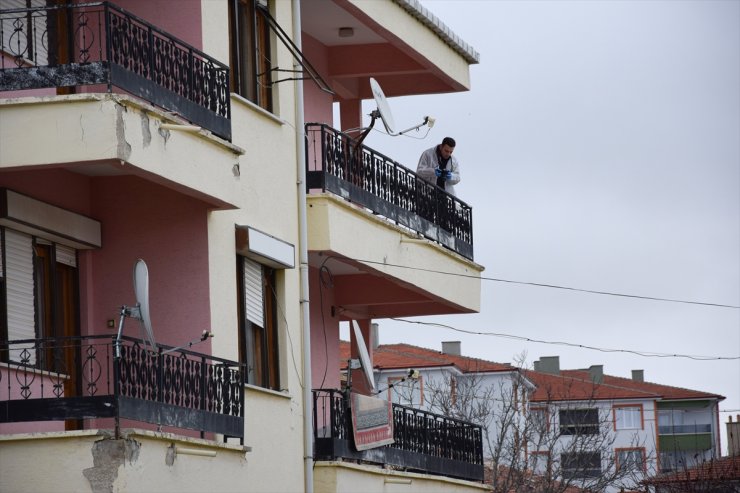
423,15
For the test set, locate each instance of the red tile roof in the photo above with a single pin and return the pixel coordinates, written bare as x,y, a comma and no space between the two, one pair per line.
402,356
724,471
663,391
568,385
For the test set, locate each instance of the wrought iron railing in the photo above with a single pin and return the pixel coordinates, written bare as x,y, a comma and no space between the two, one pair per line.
81,378
336,163
100,43
423,441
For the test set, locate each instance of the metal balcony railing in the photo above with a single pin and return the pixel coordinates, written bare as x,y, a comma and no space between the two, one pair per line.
98,43
424,442
81,378
336,163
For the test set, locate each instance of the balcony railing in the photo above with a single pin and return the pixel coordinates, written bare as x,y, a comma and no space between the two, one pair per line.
336,163
99,43
424,442
81,378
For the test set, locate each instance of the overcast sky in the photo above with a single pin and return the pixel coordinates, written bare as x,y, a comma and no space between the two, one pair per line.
599,149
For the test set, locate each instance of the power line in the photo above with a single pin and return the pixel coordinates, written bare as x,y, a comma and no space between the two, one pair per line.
552,286
646,354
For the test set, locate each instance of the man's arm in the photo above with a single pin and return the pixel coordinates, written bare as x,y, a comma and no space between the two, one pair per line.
426,167
454,177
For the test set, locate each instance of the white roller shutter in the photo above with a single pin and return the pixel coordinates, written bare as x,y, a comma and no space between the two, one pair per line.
253,299
19,288
66,255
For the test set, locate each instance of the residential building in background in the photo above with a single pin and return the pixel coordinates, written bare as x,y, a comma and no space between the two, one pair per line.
199,137
563,428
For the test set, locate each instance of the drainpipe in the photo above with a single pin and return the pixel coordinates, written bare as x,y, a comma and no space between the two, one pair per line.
303,254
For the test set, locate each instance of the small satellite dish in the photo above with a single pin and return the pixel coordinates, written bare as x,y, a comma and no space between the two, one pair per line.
364,361
141,290
383,107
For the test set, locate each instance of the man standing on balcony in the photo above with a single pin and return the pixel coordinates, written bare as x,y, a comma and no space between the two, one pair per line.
437,165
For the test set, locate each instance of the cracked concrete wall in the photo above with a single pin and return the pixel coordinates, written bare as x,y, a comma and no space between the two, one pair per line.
95,462
108,457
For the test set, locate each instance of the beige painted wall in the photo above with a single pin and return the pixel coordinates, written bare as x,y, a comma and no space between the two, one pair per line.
342,477
143,461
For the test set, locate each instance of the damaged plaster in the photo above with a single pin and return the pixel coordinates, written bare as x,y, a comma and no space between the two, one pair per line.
124,148
108,456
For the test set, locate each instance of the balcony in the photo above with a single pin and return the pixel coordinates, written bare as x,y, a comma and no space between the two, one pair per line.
77,378
71,46
424,442
337,164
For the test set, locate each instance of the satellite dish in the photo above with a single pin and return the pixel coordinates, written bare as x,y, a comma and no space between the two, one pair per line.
364,361
141,310
141,290
383,107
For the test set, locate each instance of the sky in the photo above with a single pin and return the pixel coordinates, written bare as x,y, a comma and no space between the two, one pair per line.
599,147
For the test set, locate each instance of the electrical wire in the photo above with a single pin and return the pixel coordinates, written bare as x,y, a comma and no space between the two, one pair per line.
646,354
552,286
287,331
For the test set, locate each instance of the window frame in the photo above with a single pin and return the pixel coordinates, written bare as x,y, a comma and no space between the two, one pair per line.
536,454
617,408
56,300
251,53
579,471
545,417
259,345
642,466
579,427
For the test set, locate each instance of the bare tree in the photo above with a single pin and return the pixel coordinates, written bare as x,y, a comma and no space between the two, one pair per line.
556,445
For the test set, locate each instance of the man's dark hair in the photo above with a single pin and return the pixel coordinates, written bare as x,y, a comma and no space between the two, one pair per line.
449,141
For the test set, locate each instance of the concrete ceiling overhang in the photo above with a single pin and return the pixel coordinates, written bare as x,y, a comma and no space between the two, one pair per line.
379,295
399,43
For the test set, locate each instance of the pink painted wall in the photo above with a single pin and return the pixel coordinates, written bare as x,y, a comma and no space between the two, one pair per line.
317,103
181,18
324,335
169,231
139,219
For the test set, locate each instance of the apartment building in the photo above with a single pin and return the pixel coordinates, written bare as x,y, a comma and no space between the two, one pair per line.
582,428
198,137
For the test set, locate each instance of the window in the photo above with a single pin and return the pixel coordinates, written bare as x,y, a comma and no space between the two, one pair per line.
579,421
258,337
628,417
539,462
250,56
581,464
39,296
538,420
630,459
406,391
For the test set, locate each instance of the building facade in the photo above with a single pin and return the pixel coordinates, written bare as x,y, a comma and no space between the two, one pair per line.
555,428
175,132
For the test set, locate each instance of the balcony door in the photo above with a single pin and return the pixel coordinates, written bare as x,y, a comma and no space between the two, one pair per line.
41,302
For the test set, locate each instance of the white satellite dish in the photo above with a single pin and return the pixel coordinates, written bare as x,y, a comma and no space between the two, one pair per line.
364,360
383,107
141,290
141,310
384,112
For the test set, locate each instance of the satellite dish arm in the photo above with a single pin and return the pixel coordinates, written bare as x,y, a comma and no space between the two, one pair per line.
373,116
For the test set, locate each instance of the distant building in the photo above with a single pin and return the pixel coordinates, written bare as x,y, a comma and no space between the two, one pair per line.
648,428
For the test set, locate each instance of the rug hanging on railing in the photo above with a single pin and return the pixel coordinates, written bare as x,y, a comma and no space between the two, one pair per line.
372,421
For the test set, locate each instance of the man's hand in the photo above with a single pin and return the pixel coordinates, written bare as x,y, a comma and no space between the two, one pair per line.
445,174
